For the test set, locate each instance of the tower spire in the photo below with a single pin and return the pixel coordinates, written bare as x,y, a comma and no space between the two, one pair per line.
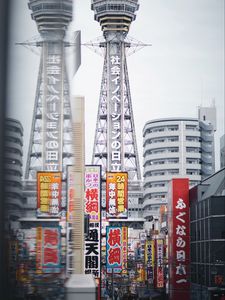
115,146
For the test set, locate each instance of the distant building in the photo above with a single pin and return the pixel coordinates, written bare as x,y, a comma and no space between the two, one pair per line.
207,216
13,158
175,148
222,151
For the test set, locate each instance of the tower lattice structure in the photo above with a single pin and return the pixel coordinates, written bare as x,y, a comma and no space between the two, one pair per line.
50,147
115,146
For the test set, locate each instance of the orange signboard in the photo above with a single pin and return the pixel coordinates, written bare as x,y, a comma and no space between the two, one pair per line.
116,195
49,189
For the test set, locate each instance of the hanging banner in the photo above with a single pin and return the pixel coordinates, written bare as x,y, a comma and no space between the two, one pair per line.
116,195
49,194
159,270
179,239
92,207
149,260
125,249
70,194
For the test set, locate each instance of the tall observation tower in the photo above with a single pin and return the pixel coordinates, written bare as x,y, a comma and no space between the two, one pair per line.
115,146
51,134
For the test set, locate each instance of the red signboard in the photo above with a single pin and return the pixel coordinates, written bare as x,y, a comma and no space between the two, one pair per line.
179,239
116,195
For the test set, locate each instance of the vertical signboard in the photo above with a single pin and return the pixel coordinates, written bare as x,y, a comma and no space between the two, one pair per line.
159,270
149,260
51,249
49,194
52,106
179,239
125,249
114,249
115,107
92,207
116,195
48,250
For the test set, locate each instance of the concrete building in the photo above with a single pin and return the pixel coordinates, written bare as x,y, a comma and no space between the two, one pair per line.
207,216
222,151
13,161
174,147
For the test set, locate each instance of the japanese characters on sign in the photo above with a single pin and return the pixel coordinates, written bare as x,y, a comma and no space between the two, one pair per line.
115,107
114,249
179,239
149,260
51,249
92,192
116,195
159,263
49,190
52,126
124,249
92,207
92,250
70,194
39,250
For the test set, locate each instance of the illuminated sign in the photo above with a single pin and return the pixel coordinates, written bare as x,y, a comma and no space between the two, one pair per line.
179,239
116,195
49,190
92,207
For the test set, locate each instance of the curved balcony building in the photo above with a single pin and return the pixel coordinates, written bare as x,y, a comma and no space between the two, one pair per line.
13,154
174,147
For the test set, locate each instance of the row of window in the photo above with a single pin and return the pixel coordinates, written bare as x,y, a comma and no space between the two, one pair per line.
172,172
115,7
171,128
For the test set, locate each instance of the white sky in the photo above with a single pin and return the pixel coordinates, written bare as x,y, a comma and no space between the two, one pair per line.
184,67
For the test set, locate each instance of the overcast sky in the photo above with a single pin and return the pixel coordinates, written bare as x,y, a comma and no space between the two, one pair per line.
183,69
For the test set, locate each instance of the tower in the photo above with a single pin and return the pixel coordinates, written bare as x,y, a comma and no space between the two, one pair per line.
51,132
115,145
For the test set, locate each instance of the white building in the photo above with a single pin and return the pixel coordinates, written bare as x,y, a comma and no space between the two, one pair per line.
174,147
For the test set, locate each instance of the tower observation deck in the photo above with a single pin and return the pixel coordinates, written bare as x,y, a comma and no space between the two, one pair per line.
51,132
115,145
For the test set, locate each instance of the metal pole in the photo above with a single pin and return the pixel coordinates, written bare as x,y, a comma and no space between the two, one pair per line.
112,285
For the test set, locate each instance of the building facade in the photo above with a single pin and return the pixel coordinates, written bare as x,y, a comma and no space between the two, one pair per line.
207,217
172,148
13,164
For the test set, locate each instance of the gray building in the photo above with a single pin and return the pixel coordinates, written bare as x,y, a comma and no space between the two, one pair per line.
207,216
13,157
172,148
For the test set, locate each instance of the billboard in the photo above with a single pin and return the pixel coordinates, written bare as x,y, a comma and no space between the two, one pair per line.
116,259
49,194
179,239
116,195
92,207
